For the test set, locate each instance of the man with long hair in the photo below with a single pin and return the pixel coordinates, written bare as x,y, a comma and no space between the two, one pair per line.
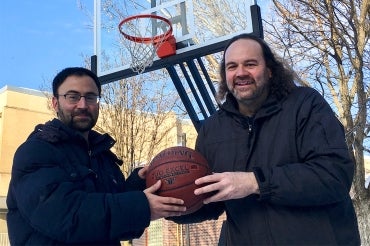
281,167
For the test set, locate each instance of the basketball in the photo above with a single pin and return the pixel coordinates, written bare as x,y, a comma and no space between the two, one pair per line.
177,168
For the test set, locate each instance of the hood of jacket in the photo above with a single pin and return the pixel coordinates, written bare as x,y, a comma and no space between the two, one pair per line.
270,106
55,131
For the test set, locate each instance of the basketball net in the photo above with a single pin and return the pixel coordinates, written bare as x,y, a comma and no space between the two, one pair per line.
142,55
139,39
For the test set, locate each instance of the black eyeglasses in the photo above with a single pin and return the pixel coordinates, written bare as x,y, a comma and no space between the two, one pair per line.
74,98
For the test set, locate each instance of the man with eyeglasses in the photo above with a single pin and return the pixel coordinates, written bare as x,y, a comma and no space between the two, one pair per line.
66,185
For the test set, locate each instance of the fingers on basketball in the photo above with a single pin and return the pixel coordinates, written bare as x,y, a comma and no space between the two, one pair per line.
178,167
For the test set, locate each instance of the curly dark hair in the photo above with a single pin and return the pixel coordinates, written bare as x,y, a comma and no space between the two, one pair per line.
281,81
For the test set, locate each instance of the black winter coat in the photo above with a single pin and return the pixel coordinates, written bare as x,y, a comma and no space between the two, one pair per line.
297,150
63,192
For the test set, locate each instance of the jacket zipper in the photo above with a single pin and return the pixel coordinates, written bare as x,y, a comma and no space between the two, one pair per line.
250,125
250,131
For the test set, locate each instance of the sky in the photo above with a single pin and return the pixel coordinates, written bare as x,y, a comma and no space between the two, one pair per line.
39,38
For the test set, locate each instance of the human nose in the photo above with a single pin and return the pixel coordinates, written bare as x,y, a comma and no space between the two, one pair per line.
82,102
241,71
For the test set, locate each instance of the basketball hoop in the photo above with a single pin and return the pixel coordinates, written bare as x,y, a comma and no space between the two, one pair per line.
138,36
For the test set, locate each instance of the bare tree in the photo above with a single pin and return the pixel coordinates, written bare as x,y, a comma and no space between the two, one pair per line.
139,115
147,101
231,16
328,44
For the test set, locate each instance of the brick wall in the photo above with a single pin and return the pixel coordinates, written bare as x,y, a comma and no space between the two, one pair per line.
166,233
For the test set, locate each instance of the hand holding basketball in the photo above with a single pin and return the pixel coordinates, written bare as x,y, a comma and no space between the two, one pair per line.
162,207
227,186
142,172
178,168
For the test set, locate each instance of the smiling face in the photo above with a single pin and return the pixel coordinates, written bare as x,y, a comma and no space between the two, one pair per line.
247,76
81,116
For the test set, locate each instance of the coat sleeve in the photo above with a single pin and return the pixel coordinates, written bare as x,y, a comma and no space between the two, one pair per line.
67,209
323,171
210,211
134,182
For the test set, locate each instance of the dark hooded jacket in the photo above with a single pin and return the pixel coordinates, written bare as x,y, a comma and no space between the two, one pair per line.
64,191
296,148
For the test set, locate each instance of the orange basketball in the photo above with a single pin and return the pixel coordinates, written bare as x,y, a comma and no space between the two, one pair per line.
177,168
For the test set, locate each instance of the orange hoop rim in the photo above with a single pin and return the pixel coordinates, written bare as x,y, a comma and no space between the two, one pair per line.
146,40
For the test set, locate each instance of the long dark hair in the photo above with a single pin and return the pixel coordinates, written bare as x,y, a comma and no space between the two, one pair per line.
281,81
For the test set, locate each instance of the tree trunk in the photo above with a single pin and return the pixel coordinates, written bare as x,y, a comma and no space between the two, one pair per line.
362,207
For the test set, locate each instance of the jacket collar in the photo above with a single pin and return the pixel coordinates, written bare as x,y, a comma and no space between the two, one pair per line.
271,106
55,131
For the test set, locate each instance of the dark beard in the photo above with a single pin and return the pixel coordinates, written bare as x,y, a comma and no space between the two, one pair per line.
81,126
